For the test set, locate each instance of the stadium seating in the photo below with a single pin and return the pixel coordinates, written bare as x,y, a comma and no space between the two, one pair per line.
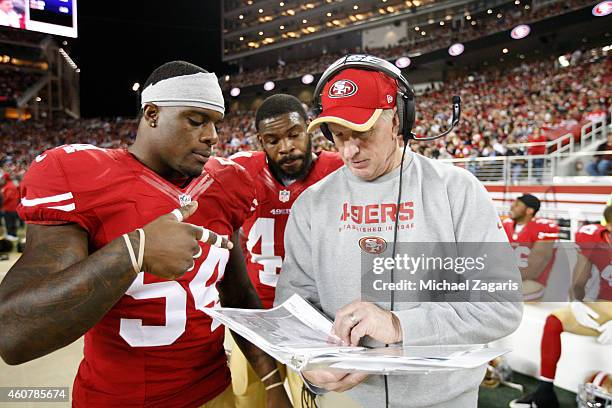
501,107
437,37
14,83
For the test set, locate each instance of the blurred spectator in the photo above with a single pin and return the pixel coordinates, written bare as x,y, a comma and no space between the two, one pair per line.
516,165
10,199
537,149
602,164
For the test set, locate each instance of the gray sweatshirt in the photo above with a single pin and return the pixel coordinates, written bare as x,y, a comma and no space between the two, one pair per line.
323,263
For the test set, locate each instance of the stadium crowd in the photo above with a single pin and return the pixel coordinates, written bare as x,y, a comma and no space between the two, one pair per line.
21,142
437,37
13,83
528,103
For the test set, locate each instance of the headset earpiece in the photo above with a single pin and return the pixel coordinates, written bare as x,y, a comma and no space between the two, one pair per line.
409,112
401,114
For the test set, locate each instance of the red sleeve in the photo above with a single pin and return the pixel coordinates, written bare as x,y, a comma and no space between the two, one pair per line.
242,158
507,224
586,238
240,198
46,194
547,230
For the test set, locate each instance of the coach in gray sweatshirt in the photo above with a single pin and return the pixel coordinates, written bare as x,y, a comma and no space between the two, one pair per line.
353,211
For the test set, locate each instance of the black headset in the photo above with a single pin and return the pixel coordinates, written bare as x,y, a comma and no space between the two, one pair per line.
404,98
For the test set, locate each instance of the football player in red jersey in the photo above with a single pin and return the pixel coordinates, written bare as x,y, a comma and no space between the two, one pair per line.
98,217
587,319
286,167
533,241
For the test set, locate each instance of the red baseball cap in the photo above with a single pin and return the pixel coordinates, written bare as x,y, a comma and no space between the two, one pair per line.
355,98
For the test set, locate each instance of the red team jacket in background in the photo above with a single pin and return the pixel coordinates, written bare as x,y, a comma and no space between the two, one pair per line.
538,229
155,347
263,232
535,150
10,197
595,243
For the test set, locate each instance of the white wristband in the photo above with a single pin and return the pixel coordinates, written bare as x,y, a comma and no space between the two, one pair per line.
128,244
269,387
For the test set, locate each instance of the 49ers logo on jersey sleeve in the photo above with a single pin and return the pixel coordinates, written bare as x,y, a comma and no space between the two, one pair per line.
373,245
342,88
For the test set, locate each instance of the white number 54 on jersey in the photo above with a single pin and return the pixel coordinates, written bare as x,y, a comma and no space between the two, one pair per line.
138,335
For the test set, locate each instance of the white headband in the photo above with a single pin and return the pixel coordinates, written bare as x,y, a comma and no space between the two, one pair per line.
200,90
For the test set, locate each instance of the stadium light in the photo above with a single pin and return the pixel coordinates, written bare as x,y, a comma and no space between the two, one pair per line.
307,79
602,9
520,31
268,86
402,62
136,87
235,92
456,49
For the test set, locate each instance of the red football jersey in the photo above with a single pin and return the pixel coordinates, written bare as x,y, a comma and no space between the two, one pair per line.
156,347
595,243
264,231
538,229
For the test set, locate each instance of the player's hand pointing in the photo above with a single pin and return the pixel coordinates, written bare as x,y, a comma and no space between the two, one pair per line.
172,245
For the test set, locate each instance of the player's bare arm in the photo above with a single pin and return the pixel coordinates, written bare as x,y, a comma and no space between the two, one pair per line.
580,277
236,290
57,291
539,257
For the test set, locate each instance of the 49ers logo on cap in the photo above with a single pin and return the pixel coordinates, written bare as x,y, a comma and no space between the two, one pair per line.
342,88
373,245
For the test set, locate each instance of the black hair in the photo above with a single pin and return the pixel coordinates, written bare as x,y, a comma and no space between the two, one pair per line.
170,70
279,104
530,201
608,214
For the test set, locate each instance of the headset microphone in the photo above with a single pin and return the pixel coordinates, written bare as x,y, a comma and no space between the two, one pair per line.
454,122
